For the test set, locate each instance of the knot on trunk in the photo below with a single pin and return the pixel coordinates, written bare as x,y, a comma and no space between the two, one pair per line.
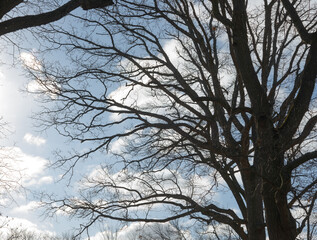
262,121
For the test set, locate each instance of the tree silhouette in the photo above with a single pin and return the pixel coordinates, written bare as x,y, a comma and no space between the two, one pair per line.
194,98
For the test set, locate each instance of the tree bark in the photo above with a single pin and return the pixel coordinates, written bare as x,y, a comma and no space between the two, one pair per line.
280,223
276,183
255,225
22,22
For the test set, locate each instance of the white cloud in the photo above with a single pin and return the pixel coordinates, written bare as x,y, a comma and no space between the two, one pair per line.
145,97
104,235
48,87
34,140
45,180
20,225
64,211
2,76
21,168
14,105
137,96
153,99
117,146
25,209
254,4
139,230
30,61
172,47
168,181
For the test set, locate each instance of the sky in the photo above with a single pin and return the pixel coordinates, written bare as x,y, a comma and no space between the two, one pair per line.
28,153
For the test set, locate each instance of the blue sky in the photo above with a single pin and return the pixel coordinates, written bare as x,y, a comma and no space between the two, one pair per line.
31,150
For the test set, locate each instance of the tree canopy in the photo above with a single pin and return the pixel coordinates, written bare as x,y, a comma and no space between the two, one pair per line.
197,102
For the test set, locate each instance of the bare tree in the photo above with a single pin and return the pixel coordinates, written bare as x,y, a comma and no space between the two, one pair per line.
9,230
144,231
25,234
213,98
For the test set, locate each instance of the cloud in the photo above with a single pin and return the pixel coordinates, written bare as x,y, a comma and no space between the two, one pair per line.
44,84
34,140
142,96
23,227
255,3
45,180
171,48
22,169
30,61
2,76
195,186
139,230
117,146
48,87
25,209
64,211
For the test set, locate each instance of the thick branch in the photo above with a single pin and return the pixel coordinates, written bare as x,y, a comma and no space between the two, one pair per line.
215,7
301,160
303,99
7,5
19,23
306,37
245,65
305,133
300,195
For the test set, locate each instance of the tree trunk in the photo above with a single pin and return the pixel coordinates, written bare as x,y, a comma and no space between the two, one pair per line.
269,160
255,225
280,223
